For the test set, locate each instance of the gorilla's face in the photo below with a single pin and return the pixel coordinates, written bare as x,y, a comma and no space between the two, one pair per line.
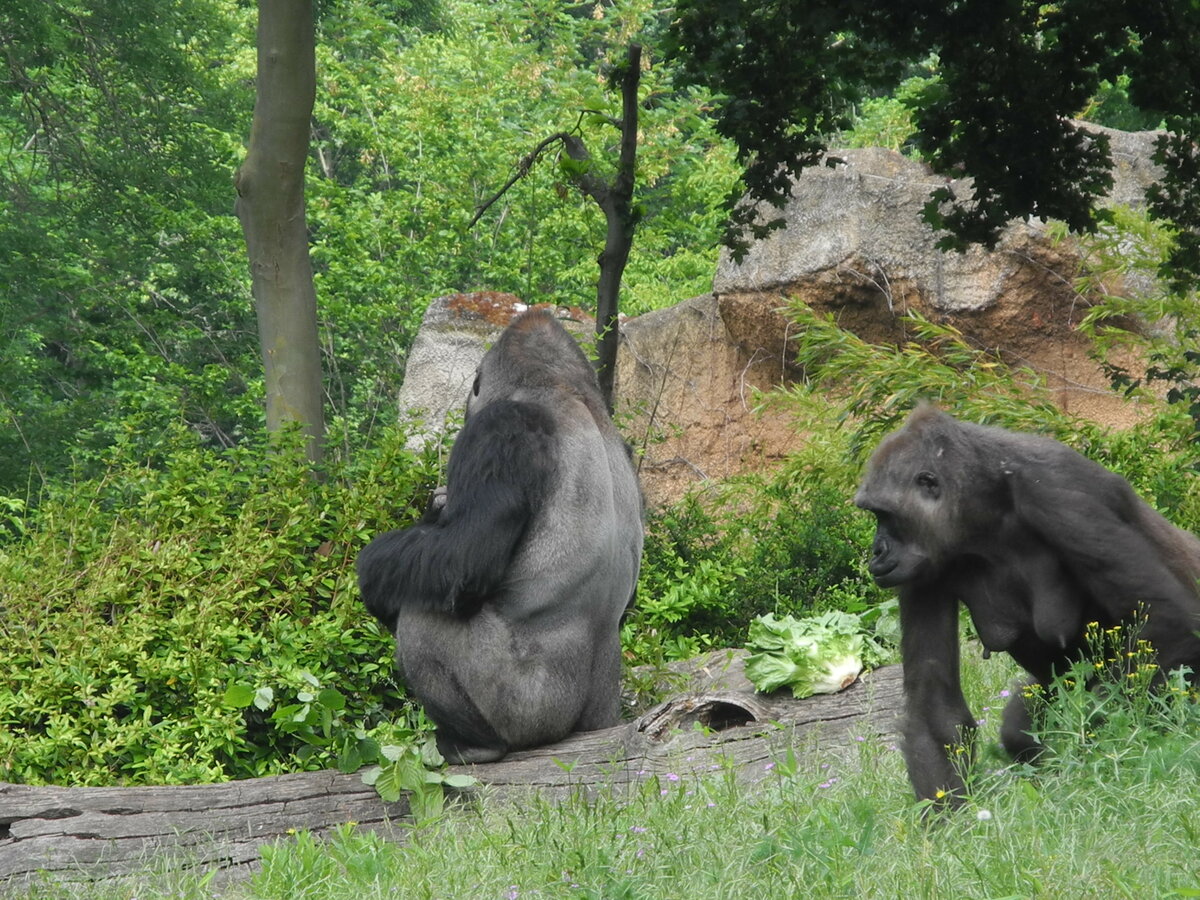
908,489
895,560
898,553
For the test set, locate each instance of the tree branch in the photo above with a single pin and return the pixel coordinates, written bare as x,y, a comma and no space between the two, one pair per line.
523,167
626,164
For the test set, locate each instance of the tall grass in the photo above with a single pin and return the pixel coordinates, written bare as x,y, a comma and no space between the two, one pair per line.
1116,817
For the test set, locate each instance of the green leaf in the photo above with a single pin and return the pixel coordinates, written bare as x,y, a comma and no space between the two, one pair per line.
409,772
239,696
388,785
332,699
427,804
431,757
392,752
349,760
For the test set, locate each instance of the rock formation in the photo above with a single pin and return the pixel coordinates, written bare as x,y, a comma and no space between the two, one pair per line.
855,246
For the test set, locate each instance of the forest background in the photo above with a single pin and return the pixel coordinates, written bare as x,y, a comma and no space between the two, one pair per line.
178,603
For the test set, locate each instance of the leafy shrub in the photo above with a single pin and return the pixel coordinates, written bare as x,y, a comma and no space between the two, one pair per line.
869,389
787,543
874,387
135,601
887,121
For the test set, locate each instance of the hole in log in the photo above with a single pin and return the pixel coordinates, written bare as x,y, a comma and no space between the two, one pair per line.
5,831
720,715
715,712
56,812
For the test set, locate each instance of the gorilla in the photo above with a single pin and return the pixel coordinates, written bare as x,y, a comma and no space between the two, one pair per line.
1037,541
506,598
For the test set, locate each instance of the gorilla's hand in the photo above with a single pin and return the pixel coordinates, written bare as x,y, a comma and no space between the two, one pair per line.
437,503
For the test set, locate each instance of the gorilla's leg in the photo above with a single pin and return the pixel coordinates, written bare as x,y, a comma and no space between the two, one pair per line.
1017,726
602,707
464,735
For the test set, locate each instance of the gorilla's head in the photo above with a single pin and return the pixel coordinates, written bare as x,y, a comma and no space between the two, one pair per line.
924,486
534,354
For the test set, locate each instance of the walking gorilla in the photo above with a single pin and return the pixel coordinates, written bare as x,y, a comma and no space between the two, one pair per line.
1036,541
506,598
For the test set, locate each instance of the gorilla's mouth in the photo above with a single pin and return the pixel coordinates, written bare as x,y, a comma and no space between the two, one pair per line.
889,579
889,573
881,571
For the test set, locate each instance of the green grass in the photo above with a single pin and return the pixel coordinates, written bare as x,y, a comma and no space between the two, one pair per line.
1113,816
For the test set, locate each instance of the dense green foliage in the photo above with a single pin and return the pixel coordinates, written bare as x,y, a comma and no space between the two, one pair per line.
178,602
120,275
1008,78
140,604
876,387
189,613
788,543
192,615
125,287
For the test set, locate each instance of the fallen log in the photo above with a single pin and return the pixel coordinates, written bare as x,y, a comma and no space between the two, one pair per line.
85,833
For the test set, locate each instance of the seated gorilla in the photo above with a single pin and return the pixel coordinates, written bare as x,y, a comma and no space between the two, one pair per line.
506,598
1036,541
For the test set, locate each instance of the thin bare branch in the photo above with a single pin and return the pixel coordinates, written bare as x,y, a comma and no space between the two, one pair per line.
523,167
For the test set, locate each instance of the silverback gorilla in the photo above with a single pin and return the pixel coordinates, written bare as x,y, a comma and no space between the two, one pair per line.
1036,541
506,598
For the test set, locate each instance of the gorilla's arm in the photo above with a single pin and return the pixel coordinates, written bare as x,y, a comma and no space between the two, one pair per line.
500,470
1095,524
938,721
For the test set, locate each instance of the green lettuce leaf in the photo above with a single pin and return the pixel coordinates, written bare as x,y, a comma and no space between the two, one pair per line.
815,655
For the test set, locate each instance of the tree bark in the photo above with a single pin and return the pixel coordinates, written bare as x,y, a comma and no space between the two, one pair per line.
621,222
87,833
270,205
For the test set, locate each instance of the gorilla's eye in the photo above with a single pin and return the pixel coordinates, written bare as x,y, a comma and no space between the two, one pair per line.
928,482
475,386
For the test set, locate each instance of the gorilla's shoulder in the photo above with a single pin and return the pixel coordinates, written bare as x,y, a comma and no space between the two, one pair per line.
505,419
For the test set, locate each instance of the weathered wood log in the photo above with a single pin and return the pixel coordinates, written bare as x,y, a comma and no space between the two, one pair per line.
90,832
85,833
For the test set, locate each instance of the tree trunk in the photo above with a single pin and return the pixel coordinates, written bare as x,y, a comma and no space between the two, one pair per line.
617,204
270,205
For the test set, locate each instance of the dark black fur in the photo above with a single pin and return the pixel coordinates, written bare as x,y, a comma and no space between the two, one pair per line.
505,599
1037,541
456,557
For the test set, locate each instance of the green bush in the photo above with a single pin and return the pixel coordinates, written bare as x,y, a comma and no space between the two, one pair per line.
868,390
790,542
1114,705
136,601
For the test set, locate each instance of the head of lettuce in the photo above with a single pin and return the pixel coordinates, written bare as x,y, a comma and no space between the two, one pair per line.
816,655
